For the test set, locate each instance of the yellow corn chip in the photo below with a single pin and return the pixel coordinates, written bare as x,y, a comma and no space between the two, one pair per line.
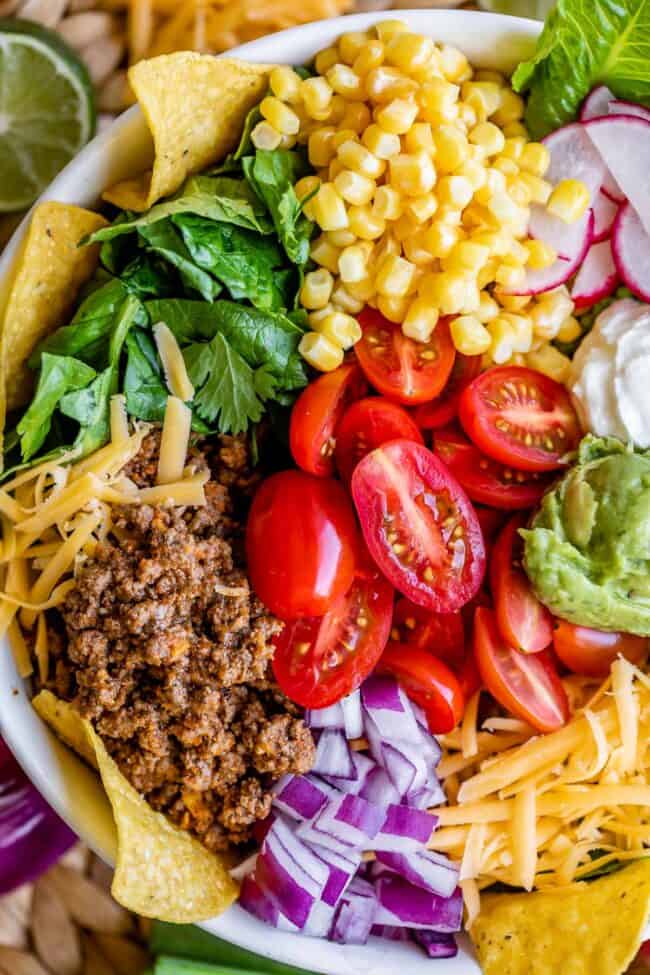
66,723
195,107
584,929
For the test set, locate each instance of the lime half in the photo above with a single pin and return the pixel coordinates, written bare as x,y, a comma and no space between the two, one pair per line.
46,110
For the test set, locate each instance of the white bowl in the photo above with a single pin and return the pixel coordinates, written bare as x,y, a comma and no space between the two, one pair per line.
490,41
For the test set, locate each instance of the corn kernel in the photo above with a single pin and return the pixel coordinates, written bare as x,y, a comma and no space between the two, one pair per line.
569,200
342,136
483,96
351,44
333,170
408,51
280,116
488,74
438,99
320,352
489,137
405,227
342,300
450,213
320,147
285,84
467,116
502,339
477,218
420,320
538,188
540,254
495,182
502,208
456,190
415,249
394,276
453,64
316,289
522,331
364,223
341,329
353,262
288,141
382,144
412,175
383,84
474,172
487,273
329,209
388,28
363,291
387,204
570,330
397,116
488,309
337,109
519,191
513,303
325,254
387,245
316,97
467,256
440,238
551,362
497,241
535,158
326,59
341,238
517,253
264,136
469,335
422,207
550,312
359,159
513,148
451,148
419,138
510,110
316,317
514,129
446,290
472,301
393,308
354,188
509,275
506,166
369,57
344,81
356,117
306,186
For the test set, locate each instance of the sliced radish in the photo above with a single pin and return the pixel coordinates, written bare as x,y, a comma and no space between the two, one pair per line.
605,211
631,250
624,143
561,270
566,239
596,103
573,156
619,107
597,278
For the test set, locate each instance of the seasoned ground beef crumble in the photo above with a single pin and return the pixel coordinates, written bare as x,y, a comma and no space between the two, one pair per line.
164,647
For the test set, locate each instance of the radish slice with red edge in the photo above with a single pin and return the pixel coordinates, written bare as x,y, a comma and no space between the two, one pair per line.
596,103
619,107
573,156
631,250
623,141
580,235
597,278
605,211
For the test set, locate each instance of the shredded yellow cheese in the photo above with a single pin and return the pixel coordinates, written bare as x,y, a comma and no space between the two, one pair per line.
174,441
20,650
468,731
119,419
173,363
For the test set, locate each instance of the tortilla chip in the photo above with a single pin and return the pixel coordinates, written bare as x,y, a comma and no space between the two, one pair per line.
162,871
584,929
49,271
195,106
66,723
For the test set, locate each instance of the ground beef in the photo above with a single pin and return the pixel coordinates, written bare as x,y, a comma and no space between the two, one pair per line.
164,647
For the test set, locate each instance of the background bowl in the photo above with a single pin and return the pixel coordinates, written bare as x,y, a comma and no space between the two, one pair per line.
489,41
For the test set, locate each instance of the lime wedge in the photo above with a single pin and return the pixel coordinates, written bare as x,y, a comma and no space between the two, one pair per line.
46,110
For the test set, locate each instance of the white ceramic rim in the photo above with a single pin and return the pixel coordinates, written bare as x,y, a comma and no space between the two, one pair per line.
489,40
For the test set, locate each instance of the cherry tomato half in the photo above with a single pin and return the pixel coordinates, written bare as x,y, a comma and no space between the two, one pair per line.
444,408
441,634
520,417
523,621
301,544
592,652
419,525
485,480
427,681
316,415
319,661
369,423
469,676
407,371
527,685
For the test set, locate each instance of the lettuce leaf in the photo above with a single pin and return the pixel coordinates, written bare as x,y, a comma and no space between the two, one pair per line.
585,43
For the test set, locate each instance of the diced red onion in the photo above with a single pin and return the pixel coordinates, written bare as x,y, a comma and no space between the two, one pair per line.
355,914
386,703
300,796
379,789
405,766
350,820
423,868
404,830
352,715
436,943
341,871
325,718
320,920
289,873
431,794
244,868
334,756
390,933
364,766
404,905
253,899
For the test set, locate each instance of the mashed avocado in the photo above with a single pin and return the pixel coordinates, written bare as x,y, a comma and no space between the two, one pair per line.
587,552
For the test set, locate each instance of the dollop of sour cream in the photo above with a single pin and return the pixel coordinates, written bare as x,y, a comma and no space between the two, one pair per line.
610,374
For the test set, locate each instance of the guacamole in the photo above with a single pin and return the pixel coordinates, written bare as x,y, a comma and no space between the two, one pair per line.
587,552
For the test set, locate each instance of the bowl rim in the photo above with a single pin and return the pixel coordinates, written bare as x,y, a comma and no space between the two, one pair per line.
54,777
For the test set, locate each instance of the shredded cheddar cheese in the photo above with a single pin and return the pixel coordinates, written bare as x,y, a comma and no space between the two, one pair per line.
173,363
175,440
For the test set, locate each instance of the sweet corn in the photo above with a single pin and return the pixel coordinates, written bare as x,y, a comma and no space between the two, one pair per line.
519,191
415,249
487,74
343,300
363,291
495,182
356,157
408,51
510,110
469,335
422,207
351,44
382,144
540,255
370,56
285,84
389,245
466,256
502,208
413,175
280,116
472,301
474,173
406,226
497,241
325,254
383,84
452,148
316,289
355,188
440,238
502,339
446,290
364,224
397,116
483,96
522,331
514,129
449,213
264,136
456,190
388,28
393,308
538,188
466,116
517,253
477,218
569,200
488,309
325,59
316,96
487,273
328,208
438,100
356,117
549,314
341,329
353,262
420,320
321,148
342,136
419,138
320,352
394,276
387,203
506,166
453,64
341,238
513,148
570,330
535,158
510,275
346,82
512,302
489,137
551,362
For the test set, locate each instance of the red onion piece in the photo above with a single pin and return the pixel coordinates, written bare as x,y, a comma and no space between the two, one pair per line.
325,718
300,796
404,829
436,943
364,767
253,899
403,905
423,868
355,914
334,756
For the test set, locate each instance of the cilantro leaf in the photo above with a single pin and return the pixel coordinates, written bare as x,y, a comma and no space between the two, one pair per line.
225,383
